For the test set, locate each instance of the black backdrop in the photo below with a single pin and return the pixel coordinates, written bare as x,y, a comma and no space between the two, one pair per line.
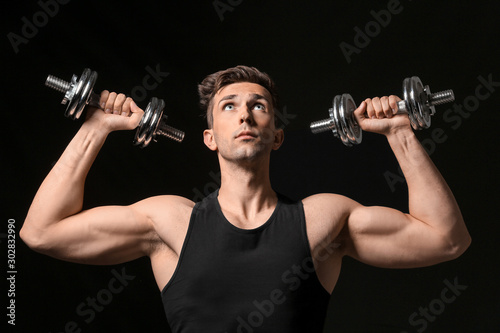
314,50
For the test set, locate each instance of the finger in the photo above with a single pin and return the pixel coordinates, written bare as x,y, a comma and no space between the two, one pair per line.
386,108
370,111
110,102
377,107
126,107
103,99
393,103
117,106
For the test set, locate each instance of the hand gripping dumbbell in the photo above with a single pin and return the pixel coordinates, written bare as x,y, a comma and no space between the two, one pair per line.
78,93
418,103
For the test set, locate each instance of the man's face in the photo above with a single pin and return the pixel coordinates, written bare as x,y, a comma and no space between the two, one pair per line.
243,122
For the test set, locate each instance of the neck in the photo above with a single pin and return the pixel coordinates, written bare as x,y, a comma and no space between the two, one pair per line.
246,188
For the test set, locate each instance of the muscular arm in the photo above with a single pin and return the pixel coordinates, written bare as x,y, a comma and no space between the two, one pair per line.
433,231
56,225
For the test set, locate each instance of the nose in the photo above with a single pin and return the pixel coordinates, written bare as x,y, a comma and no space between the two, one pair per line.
246,116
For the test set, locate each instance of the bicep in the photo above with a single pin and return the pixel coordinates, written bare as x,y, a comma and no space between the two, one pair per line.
103,235
386,237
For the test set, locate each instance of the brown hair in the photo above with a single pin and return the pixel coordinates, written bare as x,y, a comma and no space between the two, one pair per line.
216,81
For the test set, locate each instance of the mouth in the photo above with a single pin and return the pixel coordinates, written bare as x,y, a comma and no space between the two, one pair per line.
246,135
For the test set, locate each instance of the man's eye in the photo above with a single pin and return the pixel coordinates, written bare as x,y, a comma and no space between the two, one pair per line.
228,107
259,107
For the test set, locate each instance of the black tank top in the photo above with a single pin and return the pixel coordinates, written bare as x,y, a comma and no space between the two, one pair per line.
235,280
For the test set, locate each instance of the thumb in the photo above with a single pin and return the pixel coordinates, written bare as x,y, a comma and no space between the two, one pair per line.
136,113
134,108
360,112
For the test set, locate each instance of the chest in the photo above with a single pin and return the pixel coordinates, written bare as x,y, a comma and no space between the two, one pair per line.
247,222
225,275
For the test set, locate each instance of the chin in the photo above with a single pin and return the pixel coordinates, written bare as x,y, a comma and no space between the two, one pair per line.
248,154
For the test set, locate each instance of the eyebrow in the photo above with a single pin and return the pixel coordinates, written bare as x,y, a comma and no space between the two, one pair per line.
253,97
225,98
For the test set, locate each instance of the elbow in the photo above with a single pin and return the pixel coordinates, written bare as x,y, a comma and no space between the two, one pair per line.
457,247
33,238
25,236
29,237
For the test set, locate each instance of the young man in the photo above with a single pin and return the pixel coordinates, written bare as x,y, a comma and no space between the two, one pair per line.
245,259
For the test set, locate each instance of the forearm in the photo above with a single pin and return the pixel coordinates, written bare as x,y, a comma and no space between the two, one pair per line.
61,193
430,199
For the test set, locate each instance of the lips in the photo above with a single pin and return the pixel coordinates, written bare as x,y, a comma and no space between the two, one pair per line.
246,135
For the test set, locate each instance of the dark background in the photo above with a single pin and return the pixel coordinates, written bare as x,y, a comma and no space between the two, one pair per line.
446,44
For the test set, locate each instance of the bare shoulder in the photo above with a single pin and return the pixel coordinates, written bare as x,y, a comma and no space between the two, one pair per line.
169,215
165,204
327,206
326,216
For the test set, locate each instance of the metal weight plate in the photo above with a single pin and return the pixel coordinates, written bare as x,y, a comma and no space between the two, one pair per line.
352,129
140,134
420,102
79,94
408,96
417,98
427,110
86,93
155,120
149,122
336,119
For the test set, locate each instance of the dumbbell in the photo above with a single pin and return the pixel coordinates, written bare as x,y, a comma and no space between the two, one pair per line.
418,103
79,92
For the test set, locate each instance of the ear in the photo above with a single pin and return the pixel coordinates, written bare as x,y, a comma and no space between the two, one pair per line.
208,138
279,137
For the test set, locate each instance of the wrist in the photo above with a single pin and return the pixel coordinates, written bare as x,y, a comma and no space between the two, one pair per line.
97,134
400,133
403,138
